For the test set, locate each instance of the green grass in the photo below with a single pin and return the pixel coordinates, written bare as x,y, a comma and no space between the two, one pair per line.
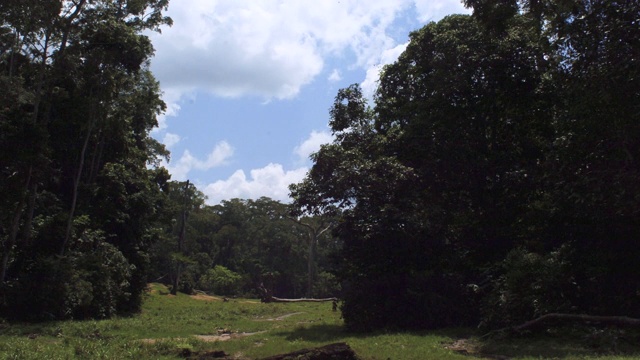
168,325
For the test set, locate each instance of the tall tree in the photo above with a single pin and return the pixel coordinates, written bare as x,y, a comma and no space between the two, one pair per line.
77,69
314,230
432,180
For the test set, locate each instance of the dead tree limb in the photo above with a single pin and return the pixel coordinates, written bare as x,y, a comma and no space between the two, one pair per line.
277,299
605,320
315,231
571,318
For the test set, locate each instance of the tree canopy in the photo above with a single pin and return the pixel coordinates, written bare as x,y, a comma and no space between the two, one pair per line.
493,180
78,201
495,177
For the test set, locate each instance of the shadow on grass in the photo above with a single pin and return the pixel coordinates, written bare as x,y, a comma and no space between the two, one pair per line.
465,341
331,332
320,333
563,345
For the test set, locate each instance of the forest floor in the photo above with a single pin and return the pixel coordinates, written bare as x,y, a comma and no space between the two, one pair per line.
205,327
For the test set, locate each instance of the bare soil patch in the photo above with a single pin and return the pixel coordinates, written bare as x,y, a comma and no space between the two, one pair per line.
463,346
205,297
226,336
210,338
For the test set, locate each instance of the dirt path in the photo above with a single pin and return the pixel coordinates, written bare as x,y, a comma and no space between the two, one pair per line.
280,318
225,337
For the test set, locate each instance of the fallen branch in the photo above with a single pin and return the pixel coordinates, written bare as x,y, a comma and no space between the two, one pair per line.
277,299
604,320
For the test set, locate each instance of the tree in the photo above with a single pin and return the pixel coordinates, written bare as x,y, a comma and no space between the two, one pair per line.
314,233
588,193
78,128
221,281
175,252
434,180
499,158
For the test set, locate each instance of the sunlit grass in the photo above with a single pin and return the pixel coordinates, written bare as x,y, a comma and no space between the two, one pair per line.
169,325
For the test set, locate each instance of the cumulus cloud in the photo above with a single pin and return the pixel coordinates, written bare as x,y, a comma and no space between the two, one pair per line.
335,76
217,157
267,48
171,97
271,181
170,139
312,144
272,48
427,10
433,10
387,56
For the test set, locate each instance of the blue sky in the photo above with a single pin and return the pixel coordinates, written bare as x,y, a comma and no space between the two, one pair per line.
249,84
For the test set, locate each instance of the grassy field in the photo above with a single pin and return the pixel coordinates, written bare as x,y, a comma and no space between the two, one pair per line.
171,327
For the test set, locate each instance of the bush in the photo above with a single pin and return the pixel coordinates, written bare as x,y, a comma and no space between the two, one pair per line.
221,281
400,301
326,285
530,286
91,281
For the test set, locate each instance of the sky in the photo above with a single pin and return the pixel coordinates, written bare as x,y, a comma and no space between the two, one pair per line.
249,83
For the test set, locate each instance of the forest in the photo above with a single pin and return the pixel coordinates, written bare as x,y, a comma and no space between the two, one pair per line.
493,180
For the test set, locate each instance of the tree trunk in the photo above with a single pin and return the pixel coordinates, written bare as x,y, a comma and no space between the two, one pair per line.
26,231
605,320
15,228
76,183
314,234
13,235
176,278
277,299
568,318
311,263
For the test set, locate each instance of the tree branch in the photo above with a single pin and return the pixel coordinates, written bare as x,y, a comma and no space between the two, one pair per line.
604,320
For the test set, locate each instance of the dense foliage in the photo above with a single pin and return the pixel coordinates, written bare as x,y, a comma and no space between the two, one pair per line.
87,213
496,177
239,246
78,203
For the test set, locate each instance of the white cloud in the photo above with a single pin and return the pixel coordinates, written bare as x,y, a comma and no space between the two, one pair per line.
434,10
268,48
170,139
272,48
388,56
312,144
335,76
427,10
217,157
171,97
271,181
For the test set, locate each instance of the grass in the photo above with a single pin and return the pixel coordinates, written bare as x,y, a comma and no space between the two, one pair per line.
168,325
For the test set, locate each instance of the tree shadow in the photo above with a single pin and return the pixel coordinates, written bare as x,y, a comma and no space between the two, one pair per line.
320,333
562,345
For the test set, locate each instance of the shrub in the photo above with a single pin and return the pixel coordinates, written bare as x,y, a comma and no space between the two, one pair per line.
90,281
221,281
530,286
403,301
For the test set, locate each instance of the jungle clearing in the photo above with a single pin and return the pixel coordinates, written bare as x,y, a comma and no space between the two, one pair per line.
202,327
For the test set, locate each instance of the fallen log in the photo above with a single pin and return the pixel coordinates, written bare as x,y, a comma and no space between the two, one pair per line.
337,351
605,320
277,299
590,319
